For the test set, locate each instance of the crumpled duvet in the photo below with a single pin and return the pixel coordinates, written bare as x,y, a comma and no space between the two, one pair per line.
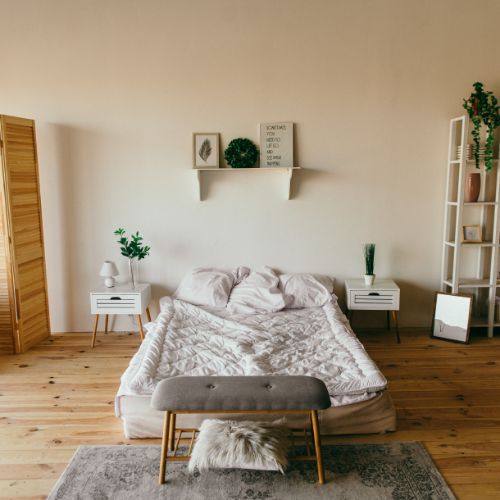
190,340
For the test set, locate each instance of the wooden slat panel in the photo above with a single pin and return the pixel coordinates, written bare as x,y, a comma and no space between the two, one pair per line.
6,340
26,253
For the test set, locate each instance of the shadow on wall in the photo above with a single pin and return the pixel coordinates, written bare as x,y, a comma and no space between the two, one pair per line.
305,176
63,138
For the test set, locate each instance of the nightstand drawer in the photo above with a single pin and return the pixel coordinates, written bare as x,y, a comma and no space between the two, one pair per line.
115,303
374,299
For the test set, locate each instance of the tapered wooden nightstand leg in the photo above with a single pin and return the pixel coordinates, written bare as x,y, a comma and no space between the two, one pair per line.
396,325
96,323
317,446
148,314
106,324
141,331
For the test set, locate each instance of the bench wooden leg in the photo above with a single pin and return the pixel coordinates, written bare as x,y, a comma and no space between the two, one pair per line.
317,446
171,432
164,446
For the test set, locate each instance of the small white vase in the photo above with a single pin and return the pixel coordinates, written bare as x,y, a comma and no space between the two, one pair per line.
369,279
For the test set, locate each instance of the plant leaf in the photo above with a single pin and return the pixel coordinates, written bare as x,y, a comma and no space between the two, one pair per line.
205,150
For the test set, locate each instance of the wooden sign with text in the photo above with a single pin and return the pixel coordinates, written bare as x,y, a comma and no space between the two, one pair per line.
276,144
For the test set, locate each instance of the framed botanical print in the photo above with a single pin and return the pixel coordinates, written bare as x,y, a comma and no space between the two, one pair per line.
205,150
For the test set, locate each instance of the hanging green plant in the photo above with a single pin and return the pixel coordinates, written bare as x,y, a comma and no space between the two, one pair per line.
241,153
482,107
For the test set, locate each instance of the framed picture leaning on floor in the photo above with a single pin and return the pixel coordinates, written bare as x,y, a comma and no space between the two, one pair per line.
452,316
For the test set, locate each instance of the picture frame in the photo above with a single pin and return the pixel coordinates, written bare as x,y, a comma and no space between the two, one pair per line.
452,317
206,150
471,233
276,145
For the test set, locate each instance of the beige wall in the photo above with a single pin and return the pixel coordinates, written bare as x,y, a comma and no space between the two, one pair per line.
117,87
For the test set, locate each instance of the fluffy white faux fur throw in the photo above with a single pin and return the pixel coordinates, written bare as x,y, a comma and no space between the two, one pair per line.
243,445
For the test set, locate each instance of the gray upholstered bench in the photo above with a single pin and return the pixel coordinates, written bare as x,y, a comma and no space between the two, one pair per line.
250,395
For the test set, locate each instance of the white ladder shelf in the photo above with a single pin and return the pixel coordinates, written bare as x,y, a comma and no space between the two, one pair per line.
485,282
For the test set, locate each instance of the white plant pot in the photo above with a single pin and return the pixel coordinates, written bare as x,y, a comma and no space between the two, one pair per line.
369,279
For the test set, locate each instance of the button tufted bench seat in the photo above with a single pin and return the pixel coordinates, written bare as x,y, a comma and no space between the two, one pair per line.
250,395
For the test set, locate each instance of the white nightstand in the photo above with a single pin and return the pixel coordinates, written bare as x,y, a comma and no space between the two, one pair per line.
121,299
383,295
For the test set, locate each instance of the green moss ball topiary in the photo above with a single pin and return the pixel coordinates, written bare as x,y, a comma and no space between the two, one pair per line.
241,153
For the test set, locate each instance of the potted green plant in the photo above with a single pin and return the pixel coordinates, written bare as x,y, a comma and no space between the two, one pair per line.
482,108
132,249
369,253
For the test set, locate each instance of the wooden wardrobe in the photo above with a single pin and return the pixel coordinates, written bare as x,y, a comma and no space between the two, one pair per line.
24,312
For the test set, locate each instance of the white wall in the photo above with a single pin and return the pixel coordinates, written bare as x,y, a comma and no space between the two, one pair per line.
118,86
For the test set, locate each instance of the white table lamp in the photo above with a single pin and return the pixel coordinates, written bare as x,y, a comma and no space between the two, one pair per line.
108,271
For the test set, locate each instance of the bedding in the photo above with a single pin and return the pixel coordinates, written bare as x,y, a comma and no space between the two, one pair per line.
190,340
305,290
258,293
206,287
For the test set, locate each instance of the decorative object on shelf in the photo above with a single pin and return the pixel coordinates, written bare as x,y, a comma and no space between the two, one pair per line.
471,233
132,249
470,152
452,317
241,153
369,253
108,272
472,187
206,150
482,108
276,144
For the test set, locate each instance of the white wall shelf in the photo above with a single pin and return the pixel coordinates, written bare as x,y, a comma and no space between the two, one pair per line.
484,255
288,171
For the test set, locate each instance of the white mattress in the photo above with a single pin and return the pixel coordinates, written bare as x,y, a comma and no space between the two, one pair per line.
190,340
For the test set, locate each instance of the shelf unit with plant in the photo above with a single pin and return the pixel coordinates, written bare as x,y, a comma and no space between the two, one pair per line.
473,200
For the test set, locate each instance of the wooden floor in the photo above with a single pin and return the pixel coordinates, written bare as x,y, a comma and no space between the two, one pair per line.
60,395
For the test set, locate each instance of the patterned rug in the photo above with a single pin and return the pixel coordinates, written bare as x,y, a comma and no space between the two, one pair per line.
401,471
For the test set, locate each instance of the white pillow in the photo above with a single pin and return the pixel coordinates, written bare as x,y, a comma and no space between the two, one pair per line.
206,287
258,293
306,290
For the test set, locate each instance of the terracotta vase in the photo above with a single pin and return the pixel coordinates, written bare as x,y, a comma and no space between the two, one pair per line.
472,187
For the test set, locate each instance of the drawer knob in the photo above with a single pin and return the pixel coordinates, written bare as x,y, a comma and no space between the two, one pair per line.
374,293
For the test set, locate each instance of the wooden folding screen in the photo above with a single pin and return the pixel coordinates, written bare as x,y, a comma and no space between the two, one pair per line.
24,313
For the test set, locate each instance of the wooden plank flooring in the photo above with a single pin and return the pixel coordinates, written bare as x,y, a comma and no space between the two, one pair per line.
60,395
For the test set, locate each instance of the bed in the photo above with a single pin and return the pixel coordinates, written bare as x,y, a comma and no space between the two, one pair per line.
187,339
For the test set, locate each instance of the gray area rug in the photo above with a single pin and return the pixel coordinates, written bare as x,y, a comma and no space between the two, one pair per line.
362,471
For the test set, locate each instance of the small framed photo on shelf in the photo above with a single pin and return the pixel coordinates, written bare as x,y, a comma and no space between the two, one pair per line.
452,316
471,233
206,150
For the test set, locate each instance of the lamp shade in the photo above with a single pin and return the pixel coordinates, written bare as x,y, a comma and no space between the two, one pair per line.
109,269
